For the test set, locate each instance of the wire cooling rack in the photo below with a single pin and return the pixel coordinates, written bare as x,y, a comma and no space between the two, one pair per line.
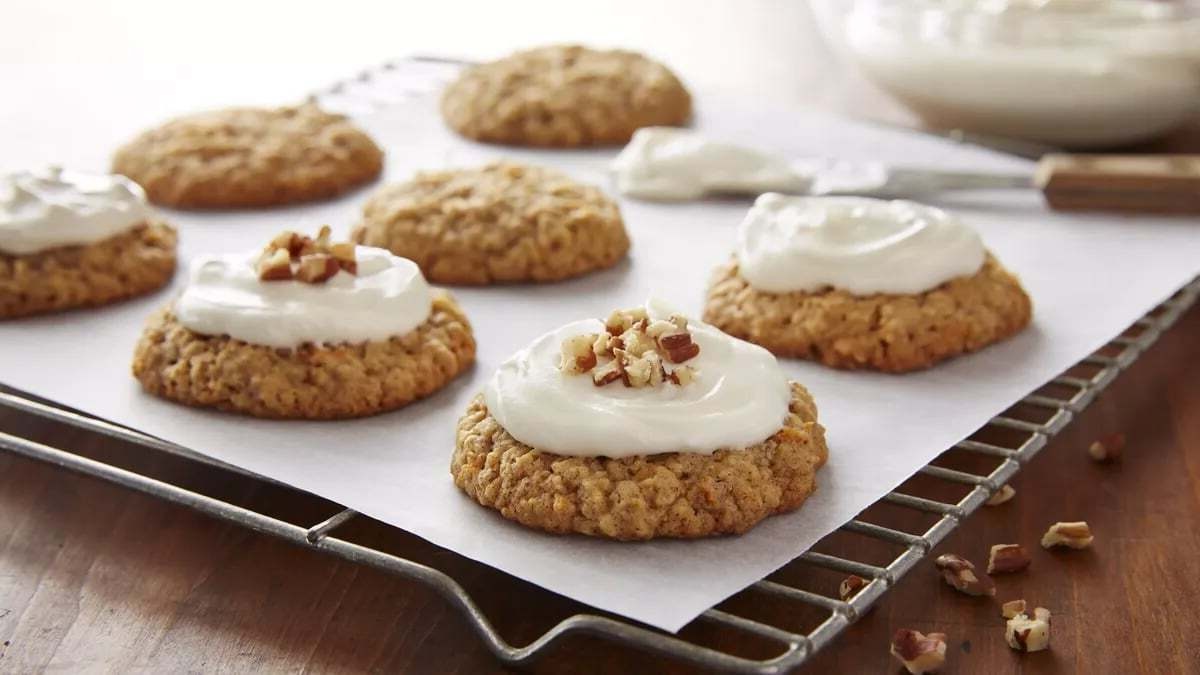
1022,432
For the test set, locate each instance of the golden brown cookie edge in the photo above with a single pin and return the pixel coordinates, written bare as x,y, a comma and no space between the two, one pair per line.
671,495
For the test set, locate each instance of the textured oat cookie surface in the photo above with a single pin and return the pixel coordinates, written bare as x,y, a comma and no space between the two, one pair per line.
309,382
500,223
248,157
683,495
564,96
132,263
893,333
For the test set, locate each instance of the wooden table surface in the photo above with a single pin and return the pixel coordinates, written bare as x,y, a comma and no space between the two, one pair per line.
96,578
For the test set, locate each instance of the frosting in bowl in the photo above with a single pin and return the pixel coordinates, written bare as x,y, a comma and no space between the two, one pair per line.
52,208
738,397
857,244
665,163
387,297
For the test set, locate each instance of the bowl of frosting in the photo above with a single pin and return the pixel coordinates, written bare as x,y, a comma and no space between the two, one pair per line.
1072,73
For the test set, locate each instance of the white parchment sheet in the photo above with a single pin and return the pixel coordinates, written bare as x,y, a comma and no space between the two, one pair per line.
1089,277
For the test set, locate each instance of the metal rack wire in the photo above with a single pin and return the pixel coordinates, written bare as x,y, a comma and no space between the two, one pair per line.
1077,389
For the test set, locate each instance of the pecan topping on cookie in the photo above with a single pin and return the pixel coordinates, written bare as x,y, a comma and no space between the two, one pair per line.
291,255
633,350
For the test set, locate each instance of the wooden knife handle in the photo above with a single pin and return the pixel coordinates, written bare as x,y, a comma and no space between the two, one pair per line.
1143,183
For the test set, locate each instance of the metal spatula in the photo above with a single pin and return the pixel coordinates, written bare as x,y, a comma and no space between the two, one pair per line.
1144,183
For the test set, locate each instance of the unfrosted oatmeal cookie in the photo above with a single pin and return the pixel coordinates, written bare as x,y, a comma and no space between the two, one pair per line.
332,331
607,443
892,333
250,157
71,239
503,222
564,96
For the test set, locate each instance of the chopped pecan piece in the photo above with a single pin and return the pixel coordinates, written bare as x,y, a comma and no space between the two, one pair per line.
684,353
1107,449
275,266
622,319
1002,495
290,255
1026,634
918,652
960,574
683,375
1006,558
850,586
637,347
1012,608
606,374
577,355
638,371
344,254
316,268
1074,535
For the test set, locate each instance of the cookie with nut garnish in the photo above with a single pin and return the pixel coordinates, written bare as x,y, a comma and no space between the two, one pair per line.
502,222
250,157
564,96
305,329
862,283
645,425
70,239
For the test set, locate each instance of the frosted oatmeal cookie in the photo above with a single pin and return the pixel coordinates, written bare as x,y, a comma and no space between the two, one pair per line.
642,426
499,223
250,157
70,239
306,329
564,96
864,283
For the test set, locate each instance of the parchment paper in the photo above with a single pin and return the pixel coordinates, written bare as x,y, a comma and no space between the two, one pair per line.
1089,276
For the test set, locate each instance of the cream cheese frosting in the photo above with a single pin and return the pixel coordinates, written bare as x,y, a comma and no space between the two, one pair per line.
52,208
665,163
387,297
857,244
739,397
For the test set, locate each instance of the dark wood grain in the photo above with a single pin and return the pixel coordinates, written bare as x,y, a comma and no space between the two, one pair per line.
95,577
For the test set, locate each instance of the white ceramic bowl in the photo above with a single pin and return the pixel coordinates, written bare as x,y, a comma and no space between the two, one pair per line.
1073,73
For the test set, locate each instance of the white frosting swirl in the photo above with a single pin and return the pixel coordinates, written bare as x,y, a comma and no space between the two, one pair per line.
388,297
857,244
740,397
52,208
675,164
